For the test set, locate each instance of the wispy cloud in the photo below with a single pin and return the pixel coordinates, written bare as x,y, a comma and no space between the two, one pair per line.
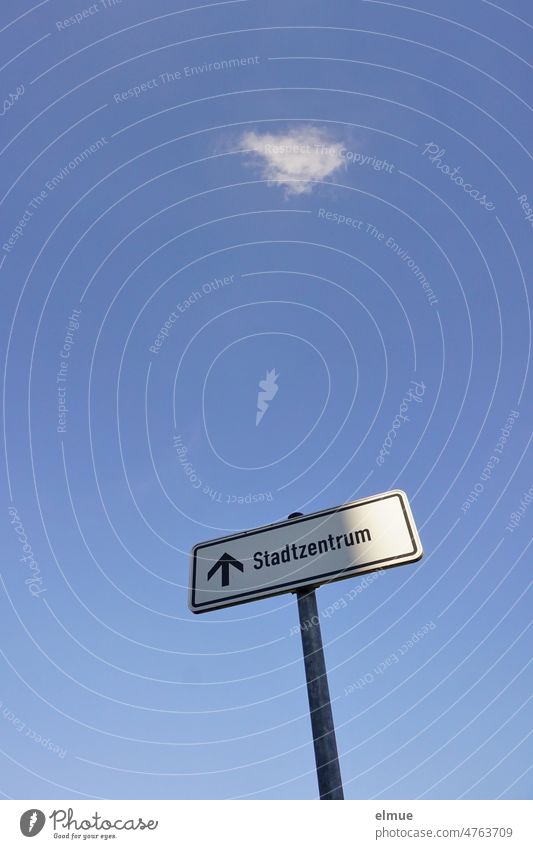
295,159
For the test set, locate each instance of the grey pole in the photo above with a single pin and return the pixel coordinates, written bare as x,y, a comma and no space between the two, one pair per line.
324,740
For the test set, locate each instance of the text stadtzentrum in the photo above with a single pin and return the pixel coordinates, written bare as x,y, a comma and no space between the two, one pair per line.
310,549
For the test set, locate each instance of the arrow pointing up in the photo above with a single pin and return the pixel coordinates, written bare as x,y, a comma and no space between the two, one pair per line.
223,564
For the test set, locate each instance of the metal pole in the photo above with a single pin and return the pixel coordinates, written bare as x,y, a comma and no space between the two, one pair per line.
326,755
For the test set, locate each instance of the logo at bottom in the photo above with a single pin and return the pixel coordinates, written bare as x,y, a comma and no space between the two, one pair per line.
32,822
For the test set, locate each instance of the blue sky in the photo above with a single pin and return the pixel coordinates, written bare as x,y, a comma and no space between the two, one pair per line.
195,196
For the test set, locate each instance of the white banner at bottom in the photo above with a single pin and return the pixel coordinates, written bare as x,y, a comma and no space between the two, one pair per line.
264,824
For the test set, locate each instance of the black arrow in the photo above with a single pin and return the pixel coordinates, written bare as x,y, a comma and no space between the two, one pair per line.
224,563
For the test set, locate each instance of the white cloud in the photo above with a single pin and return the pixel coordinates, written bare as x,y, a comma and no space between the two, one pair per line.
305,155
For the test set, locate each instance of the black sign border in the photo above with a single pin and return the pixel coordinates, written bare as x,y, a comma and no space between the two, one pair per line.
316,580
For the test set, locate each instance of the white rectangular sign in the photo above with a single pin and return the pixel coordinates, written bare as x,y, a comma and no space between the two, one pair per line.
374,533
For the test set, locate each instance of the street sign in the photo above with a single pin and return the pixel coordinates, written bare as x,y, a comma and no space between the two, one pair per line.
363,536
